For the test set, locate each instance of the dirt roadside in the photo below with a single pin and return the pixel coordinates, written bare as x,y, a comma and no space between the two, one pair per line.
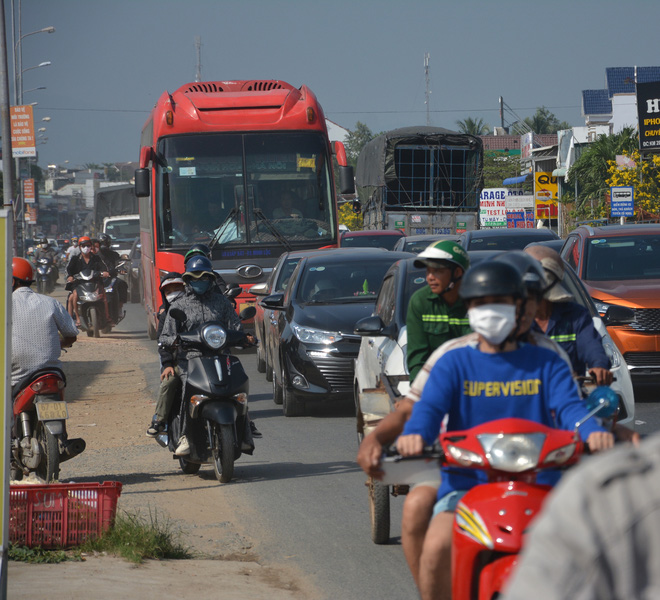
110,404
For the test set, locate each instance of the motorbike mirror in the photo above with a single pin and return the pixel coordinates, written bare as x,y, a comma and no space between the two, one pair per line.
247,313
178,315
233,290
602,402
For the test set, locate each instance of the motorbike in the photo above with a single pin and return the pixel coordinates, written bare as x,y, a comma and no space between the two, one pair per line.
492,518
110,284
46,275
91,301
38,436
215,398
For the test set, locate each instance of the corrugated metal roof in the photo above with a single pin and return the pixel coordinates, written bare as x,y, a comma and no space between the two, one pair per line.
596,102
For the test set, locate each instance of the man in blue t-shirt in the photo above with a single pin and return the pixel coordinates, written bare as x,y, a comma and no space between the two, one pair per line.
499,377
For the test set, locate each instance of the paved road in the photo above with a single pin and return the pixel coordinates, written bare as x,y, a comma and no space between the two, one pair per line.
309,495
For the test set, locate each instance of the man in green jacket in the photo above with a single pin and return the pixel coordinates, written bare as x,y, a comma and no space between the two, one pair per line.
435,313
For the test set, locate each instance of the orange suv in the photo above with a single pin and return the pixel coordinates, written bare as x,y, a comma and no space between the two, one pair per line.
620,265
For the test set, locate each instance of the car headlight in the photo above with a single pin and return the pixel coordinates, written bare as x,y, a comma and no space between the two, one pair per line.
612,354
214,336
309,335
601,307
514,453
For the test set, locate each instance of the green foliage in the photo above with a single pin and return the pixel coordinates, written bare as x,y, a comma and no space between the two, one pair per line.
644,177
498,166
591,170
473,126
39,555
543,121
356,140
136,538
347,217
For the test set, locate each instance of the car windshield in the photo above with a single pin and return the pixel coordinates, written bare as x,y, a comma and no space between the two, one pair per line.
507,242
415,279
342,283
622,258
370,241
123,229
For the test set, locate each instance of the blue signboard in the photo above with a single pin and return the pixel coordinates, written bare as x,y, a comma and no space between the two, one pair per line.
622,201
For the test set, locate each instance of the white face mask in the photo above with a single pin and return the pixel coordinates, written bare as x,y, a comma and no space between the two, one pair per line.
494,322
85,249
172,296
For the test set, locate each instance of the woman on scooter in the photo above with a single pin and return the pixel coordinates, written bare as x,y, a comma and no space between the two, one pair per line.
496,377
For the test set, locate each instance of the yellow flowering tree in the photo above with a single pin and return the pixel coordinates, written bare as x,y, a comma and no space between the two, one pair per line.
347,217
644,176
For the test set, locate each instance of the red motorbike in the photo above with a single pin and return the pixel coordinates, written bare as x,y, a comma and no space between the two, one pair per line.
492,518
38,437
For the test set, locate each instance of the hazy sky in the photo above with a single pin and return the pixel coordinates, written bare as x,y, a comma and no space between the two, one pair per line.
364,59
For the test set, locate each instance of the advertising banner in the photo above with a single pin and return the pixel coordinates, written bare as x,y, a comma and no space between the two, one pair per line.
22,132
648,116
545,195
492,207
29,195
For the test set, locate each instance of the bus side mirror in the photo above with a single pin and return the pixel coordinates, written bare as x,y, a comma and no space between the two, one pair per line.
346,180
142,182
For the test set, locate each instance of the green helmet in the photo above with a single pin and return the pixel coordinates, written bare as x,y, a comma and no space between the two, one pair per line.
444,251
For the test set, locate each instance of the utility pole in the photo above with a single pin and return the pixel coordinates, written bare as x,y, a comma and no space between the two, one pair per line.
198,50
427,56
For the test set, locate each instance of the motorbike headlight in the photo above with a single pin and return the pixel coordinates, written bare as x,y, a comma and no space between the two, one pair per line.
464,457
309,335
560,455
514,453
214,336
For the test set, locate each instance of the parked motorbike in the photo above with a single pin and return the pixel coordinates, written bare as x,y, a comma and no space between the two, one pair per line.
38,436
215,397
46,275
492,518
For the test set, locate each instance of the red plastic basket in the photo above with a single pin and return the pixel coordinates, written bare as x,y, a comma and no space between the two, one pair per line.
61,515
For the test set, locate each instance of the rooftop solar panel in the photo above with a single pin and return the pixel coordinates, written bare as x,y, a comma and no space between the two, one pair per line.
596,102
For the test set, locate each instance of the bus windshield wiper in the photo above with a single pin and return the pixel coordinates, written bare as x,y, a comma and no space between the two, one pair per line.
223,227
276,234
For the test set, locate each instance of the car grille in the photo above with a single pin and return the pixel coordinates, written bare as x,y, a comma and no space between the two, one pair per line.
642,359
647,320
338,372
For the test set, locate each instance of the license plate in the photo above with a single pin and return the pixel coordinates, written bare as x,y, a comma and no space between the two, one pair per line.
244,305
51,411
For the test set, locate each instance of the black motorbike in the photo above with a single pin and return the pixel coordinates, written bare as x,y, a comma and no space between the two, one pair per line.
46,275
215,398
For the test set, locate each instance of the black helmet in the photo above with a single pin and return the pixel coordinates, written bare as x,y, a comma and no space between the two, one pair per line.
104,240
42,241
492,278
530,269
198,266
197,250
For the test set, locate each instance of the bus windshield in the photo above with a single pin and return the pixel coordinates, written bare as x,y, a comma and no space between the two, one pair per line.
244,189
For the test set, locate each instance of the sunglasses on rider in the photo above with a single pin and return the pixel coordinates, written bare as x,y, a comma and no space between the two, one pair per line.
85,245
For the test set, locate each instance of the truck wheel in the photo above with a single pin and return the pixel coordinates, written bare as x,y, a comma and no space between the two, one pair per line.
379,509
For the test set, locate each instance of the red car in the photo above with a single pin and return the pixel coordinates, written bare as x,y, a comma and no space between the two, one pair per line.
374,238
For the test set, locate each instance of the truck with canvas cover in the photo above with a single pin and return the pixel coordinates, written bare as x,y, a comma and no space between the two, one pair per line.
113,201
421,180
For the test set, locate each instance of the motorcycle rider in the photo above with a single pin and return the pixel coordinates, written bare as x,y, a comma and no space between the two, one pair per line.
111,259
171,287
44,250
73,249
85,260
201,302
497,377
37,323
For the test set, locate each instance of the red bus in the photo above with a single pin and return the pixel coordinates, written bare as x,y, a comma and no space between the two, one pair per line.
242,166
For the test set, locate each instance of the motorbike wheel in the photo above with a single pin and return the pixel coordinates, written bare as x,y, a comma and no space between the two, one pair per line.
49,467
223,462
40,286
94,321
189,468
379,510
